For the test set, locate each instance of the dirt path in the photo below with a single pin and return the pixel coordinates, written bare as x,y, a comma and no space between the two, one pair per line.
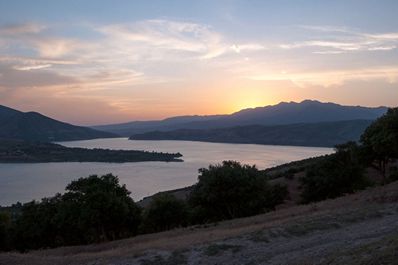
354,229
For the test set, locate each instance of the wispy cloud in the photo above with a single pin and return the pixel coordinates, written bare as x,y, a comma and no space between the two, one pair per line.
199,40
328,78
31,67
19,29
343,39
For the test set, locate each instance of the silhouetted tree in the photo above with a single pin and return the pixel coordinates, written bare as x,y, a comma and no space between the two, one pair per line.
380,140
233,190
93,209
164,212
5,223
335,175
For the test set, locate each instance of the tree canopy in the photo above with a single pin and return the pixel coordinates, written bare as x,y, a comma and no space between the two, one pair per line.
165,212
380,139
230,190
335,175
93,209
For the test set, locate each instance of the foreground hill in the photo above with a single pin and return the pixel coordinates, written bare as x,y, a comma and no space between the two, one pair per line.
307,134
355,229
307,111
17,151
34,126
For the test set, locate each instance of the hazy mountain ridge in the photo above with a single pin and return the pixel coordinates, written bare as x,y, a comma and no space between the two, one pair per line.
307,111
34,126
126,129
326,134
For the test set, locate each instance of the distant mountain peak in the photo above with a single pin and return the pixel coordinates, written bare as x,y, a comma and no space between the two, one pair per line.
34,126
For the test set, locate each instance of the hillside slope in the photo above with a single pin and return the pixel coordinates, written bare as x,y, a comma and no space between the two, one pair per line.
307,134
33,126
355,229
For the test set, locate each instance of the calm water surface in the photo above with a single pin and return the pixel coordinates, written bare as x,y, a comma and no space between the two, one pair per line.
24,182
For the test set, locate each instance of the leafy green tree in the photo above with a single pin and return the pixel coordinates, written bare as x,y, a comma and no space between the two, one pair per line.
335,175
380,140
165,212
232,190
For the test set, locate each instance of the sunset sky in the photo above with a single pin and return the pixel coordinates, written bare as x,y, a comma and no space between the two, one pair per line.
98,62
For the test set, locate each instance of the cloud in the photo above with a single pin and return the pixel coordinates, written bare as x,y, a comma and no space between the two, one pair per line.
328,52
345,40
326,28
20,29
328,78
199,40
12,78
55,48
247,47
383,48
169,35
32,67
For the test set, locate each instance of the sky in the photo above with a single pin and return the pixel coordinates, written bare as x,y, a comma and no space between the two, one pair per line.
100,62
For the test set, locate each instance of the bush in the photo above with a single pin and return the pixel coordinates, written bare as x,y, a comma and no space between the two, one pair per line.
163,213
335,175
232,190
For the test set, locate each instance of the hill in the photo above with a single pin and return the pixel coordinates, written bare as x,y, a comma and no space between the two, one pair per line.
33,126
307,111
305,134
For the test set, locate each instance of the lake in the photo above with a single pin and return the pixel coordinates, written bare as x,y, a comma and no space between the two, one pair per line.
24,182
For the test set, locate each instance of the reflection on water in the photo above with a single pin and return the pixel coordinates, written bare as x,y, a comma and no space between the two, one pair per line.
24,182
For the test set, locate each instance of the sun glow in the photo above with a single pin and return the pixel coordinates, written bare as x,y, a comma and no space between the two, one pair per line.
250,101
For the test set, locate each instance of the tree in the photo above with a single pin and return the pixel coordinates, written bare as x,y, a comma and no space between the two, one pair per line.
335,175
232,190
165,212
93,209
5,223
380,140
105,207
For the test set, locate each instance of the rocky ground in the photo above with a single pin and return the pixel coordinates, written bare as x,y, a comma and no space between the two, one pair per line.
355,229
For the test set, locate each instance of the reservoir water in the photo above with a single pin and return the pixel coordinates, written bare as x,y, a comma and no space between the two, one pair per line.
24,182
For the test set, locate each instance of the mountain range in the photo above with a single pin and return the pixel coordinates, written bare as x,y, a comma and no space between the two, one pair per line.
309,122
284,113
33,126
